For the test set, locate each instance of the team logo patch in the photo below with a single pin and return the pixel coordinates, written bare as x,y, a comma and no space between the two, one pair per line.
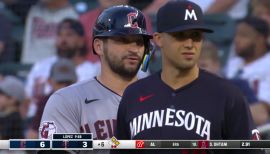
47,129
132,20
144,98
190,13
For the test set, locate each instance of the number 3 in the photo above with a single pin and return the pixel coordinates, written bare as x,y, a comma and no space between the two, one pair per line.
84,144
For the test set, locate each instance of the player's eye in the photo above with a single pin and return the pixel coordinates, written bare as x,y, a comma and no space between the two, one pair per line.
178,36
139,41
194,35
120,40
129,39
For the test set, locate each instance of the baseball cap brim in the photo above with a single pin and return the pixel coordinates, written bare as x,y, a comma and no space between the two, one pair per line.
190,27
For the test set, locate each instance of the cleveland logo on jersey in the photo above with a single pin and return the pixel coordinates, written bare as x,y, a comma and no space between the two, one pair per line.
47,129
173,118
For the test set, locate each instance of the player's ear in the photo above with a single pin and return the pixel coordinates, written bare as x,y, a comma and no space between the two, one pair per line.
157,39
98,45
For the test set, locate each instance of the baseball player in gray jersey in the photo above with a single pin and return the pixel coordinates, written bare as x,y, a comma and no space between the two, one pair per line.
121,41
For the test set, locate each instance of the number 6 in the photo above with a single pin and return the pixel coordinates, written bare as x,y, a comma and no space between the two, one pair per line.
42,144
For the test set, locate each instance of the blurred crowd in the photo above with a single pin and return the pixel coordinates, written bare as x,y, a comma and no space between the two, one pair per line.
46,45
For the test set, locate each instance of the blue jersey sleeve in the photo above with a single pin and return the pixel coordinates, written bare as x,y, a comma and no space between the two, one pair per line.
122,129
238,120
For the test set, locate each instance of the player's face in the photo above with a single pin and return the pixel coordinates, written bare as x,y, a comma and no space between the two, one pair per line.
245,40
68,43
180,49
4,102
124,54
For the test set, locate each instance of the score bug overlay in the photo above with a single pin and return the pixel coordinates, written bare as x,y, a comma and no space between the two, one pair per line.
29,144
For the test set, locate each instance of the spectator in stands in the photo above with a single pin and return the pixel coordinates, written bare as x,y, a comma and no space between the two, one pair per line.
236,9
6,52
41,27
88,20
11,96
62,74
70,44
19,7
261,9
253,61
210,61
154,6
221,15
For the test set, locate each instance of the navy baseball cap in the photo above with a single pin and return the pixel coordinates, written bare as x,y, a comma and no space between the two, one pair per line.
180,15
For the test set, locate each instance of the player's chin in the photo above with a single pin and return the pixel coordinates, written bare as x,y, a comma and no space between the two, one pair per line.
186,65
132,68
129,73
132,64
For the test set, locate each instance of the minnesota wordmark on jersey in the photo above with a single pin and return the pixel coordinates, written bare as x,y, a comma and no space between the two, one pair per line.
171,117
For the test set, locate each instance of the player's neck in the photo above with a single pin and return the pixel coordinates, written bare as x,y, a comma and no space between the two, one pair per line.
77,59
176,78
114,81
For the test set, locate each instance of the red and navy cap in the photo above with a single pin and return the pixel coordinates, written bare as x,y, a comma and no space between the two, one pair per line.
177,16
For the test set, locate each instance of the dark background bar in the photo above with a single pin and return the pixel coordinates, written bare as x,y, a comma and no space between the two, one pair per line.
220,144
72,144
175,144
254,144
87,136
152,144
29,144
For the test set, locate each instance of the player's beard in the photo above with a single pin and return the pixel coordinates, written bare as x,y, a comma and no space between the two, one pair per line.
248,52
66,53
118,66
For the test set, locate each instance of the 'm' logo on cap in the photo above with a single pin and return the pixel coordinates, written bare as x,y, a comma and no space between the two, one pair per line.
190,15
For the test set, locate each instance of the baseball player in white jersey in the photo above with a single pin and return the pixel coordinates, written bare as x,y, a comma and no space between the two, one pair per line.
121,41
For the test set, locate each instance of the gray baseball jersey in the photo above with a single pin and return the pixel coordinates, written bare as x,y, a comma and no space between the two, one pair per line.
85,107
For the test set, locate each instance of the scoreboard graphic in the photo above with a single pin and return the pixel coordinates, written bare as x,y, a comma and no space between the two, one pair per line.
85,142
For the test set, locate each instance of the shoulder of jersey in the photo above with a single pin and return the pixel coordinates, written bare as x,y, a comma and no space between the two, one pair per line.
265,61
78,86
220,84
141,83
